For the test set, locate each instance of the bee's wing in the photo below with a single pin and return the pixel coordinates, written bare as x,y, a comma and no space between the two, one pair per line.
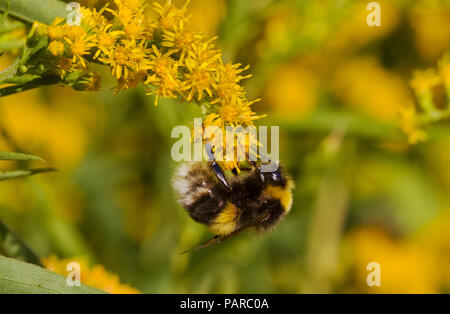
220,238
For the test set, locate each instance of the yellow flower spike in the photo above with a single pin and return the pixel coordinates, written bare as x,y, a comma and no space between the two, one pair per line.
238,111
417,136
93,19
106,40
184,65
408,124
180,39
76,32
424,81
170,15
55,32
119,59
199,81
80,47
444,70
56,48
228,78
96,276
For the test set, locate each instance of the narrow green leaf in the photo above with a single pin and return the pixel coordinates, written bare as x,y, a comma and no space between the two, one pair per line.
18,156
34,10
7,175
12,246
23,278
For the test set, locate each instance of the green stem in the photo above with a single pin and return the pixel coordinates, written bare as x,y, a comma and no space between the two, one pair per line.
6,91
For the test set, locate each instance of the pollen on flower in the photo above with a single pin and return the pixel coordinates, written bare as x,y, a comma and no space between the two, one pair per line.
228,78
170,15
106,40
56,48
180,64
55,32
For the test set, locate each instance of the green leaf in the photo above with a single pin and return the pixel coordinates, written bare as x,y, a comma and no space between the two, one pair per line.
18,156
12,246
29,11
13,174
19,277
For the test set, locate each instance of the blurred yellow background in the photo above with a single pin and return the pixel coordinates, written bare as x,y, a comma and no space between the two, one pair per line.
335,87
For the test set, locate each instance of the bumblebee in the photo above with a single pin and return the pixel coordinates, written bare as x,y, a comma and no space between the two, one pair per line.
227,206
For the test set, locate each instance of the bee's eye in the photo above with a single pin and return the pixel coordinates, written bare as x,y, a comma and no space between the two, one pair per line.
276,176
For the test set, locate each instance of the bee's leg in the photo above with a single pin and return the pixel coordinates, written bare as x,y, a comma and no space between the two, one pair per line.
256,167
216,168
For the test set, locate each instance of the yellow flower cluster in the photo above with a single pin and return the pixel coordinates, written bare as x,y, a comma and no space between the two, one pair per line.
424,83
161,53
398,259
95,276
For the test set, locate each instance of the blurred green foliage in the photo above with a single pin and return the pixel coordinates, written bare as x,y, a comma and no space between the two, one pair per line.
332,84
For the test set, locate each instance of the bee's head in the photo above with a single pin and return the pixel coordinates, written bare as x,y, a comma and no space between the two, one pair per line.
275,178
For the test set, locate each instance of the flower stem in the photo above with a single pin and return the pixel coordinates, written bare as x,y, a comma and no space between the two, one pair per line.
49,80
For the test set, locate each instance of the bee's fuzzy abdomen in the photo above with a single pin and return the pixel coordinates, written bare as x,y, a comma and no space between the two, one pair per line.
199,192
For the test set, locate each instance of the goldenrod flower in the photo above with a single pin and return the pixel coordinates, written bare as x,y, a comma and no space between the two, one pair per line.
93,19
397,259
444,70
96,276
106,39
119,59
424,81
80,43
170,15
180,39
408,122
202,63
164,75
228,82
56,48
55,31
239,112
181,63
199,81
76,32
